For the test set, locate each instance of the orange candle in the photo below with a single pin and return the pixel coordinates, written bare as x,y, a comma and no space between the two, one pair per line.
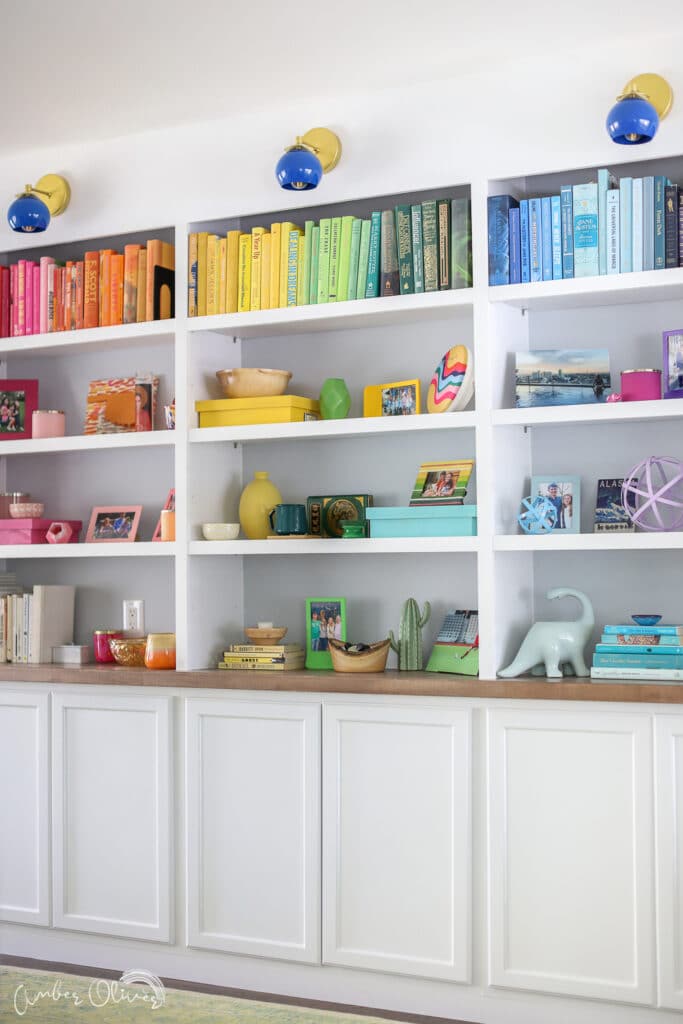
160,651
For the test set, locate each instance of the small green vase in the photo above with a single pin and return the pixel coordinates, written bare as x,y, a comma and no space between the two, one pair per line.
335,400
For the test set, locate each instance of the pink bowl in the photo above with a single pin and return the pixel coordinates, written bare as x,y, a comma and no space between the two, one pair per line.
27,510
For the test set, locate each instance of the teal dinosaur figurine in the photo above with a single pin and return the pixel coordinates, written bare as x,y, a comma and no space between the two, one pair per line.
409,646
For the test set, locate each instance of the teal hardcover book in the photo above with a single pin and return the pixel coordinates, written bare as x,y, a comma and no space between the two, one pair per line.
372,282
416,238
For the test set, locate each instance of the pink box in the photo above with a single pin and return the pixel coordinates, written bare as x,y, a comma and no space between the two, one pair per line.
33,531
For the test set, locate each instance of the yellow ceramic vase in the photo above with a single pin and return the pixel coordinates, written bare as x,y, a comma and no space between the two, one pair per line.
258,499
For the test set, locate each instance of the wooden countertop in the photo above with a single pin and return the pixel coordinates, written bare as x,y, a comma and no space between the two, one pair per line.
420,684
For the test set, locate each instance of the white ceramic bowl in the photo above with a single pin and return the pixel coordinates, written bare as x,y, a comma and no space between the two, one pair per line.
220,531
27,510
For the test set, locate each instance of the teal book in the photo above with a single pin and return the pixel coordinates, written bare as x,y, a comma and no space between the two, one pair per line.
335,248
613,243
586,256
609,647
363,259
354,256
625,225
304,278
430,245
636,660
324,260
648,222
443,222
315,256
606,181
660,236
637,225
292,266
344,258
372,283
461,243
404,244
416,239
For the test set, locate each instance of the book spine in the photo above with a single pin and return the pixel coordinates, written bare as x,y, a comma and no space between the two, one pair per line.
626,225
275,241
105,287
645,630
636,673
315,258
21,298
335,241
372,278
547,237
79,275
266,256
586,260
255,273
416,244
671,226
556,231
29,296
404,245
525,268
295,666
202,246
117,288
344,258
244,274
659,236
141,311
45,262
282,649
389,275
606,181
50,297
292,267
499,238
680,228
648,222
303,295
430,245
223,273
640,640
535,247
130,284
613,238
232,263
191,275
461,243
91,290
285,228
567,214
363,259
656,661
609,647
637,225
5,303
515,247
324,260
212,277
354,257
443,221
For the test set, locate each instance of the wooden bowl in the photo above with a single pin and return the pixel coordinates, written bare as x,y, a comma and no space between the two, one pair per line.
374,659
246,382
261,637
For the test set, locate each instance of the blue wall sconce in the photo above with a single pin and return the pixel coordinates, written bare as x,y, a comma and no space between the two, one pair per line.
635,117
311,156
32,209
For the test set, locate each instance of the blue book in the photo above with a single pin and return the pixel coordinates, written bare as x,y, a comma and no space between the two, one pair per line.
586,257
638,661
515,247
546,239
637,226
535,247
649,223
606,181
524,239
660,250
637,638
499,238
567,210
613,242
645,630
611,648
556,228
625,225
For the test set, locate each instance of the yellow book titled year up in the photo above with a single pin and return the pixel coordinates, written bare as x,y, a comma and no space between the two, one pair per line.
244,275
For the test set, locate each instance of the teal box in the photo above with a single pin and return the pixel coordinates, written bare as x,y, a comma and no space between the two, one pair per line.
411,521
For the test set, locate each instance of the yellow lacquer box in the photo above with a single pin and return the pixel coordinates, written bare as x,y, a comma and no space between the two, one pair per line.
232,412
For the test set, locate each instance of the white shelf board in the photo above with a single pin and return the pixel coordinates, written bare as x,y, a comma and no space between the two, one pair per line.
612,412
591,542
335,316
363,546
95,338
607,290
358,427
142,549
89,443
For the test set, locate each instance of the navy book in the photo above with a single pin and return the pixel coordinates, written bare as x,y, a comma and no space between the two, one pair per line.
499,238
671,225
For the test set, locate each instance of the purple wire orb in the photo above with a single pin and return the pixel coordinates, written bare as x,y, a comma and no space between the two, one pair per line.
652,494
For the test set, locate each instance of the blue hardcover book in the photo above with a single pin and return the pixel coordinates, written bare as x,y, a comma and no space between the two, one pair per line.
606,181
660,251
637,226
637,661
567,210
515,247
586,257
613,243
524,240
535,247
610,648
546,239
636,640
499,238
649,223
625,225
645,630
556,229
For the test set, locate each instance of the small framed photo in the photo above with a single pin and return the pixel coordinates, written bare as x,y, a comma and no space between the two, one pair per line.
562,376
18,400
399,398
672,362
442,483
325,618
610,513
564,492
168,506
113,524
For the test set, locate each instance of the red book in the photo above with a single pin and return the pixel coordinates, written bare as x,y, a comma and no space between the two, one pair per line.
4,303
13,270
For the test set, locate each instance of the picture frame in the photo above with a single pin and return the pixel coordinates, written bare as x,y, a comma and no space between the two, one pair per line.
610,513
442,483
672,364
18,402
318,611
113,524
168,505
397,398
562,376
557,488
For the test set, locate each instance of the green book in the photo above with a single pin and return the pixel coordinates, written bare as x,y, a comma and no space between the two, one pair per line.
430,246
315,256
363,259
335,245
416,238
324,260
354,255
303,281
344,258
404,242
372,283
292,266
461,244
443,222
388,260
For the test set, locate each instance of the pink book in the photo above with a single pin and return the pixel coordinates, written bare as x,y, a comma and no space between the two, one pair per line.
50,297
21,298
28,302
36,299
45,262
14,271
5,303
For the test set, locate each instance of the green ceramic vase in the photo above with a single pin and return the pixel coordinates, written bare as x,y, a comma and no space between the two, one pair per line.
335,400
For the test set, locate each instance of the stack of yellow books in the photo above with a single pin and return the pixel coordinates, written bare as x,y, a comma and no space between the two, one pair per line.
270,658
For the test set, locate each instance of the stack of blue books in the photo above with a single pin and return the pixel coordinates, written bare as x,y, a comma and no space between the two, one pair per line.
639,652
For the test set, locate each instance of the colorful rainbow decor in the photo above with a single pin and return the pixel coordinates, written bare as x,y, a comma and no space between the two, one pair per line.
452,385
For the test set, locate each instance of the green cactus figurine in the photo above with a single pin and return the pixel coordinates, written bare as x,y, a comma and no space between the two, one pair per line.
409,646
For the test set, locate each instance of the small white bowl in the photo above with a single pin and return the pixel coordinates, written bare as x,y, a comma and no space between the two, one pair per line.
220,531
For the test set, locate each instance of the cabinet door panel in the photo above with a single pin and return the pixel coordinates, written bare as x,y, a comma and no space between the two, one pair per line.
111,815
24,808
396,840
253,819
570,831
669,745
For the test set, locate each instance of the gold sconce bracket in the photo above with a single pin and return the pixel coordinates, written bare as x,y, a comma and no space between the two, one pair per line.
653,88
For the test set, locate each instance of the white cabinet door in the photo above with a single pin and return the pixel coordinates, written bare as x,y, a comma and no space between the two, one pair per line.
24,807
669,767
397,839
570,832
253,821
111,815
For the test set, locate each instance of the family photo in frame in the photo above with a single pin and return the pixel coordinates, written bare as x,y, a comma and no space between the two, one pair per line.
325,620
564,494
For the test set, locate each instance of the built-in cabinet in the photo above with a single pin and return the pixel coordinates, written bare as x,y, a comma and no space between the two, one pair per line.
669,813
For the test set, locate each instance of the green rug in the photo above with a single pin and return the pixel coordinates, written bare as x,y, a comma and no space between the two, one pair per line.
44,997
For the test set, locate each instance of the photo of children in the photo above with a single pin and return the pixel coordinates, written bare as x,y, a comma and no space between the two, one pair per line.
326,622
400,401
563,495
12,412
115,526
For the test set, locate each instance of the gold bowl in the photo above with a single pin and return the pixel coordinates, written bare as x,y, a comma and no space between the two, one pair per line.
265,634
129,652
248,382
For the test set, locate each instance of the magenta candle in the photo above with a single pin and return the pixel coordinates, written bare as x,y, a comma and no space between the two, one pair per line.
100,642
48,423
640,385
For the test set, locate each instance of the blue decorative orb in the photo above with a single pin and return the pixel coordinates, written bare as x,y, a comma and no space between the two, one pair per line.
298,169
632,121
28,214
539,515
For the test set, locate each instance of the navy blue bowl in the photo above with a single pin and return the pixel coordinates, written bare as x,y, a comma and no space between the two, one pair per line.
646,620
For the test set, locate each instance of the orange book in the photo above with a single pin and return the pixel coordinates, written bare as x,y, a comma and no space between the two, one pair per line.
231,269
141,310
130,283
79,295
105,286
72,297
91,290
159,254
66,297
116,295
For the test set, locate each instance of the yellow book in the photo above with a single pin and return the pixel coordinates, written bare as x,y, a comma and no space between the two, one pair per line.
256,254
212,275
231,270
265,270
275,235
244,275
300,300
222,272
202,240
191,275
285,228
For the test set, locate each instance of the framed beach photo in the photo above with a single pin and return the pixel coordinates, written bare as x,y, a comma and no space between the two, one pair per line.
18,400
399,398
564,492
325,618
113,524
562,376
672,361
442,483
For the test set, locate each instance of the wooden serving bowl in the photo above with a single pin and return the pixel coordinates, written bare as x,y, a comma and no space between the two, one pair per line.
374,659
263,636
248,382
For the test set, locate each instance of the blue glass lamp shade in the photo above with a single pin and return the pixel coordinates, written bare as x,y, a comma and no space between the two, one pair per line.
298,169
28,214
632,121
